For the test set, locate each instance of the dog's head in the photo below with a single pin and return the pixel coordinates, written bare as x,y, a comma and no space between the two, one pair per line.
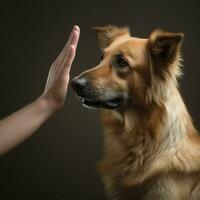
131,71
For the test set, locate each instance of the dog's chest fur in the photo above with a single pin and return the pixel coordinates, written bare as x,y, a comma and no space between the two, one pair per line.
148,156
163,187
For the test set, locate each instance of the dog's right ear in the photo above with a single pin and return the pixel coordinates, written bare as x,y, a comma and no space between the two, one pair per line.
107,34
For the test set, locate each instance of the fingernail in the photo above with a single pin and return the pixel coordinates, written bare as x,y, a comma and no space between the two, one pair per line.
76,28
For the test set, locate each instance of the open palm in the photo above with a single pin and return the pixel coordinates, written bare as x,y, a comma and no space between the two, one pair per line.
58,77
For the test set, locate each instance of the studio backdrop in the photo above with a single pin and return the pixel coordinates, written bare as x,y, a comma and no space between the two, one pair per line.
59,161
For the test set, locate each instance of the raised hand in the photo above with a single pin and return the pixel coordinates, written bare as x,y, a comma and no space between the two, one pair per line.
58,78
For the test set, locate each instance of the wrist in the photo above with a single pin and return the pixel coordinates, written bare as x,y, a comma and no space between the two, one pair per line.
46,105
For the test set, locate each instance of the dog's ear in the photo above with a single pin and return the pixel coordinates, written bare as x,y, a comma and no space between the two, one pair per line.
107,34
164,48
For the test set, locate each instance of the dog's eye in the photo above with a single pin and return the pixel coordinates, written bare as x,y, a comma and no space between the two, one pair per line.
120,62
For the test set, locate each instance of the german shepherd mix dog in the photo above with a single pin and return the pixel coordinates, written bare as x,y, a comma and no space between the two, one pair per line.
151,147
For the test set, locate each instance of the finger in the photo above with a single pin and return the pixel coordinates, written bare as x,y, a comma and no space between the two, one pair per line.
71,40
58,63
74,42
75,36
60,56
68,55
68,43
68,63
76,28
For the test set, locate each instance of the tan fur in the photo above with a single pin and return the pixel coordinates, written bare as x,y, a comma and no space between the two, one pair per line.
151,148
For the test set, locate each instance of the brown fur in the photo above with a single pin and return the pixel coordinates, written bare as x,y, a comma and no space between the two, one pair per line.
151,148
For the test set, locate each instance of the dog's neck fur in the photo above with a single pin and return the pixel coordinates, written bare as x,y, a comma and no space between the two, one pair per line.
152,137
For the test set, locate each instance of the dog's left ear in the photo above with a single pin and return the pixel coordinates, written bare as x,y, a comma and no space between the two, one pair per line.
107,34
164,48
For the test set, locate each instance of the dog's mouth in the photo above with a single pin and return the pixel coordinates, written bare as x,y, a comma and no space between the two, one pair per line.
111,103
97,97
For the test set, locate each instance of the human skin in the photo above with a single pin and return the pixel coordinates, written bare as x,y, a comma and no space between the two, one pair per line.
20,125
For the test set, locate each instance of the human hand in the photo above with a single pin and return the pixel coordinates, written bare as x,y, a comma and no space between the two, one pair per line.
59,73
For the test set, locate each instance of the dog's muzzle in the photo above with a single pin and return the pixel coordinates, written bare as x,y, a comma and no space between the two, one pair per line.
93,97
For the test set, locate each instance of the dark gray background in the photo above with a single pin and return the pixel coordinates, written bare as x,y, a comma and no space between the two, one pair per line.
59,161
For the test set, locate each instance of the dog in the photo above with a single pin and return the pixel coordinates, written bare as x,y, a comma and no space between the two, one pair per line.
151,147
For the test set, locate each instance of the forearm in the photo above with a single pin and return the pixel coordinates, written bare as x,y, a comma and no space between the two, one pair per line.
20,125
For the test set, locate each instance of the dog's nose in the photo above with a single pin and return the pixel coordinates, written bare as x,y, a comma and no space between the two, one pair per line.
78,84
